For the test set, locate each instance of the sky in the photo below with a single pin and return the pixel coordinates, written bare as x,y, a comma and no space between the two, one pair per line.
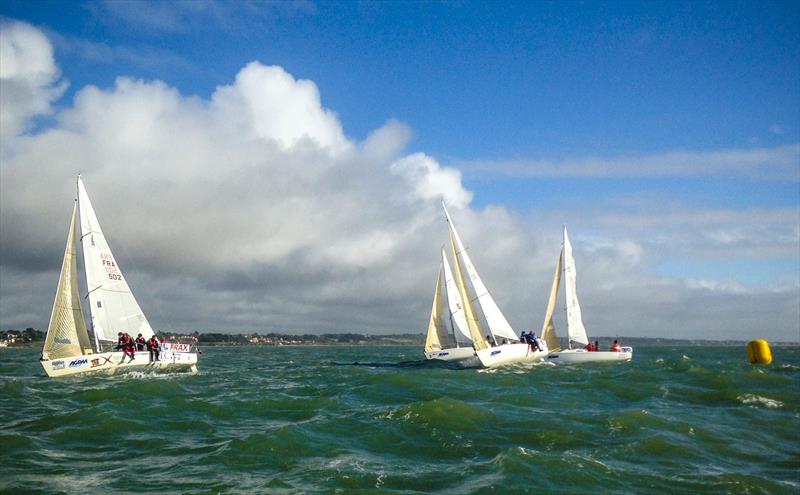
264,166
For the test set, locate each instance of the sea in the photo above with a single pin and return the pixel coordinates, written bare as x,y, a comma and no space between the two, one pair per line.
382,420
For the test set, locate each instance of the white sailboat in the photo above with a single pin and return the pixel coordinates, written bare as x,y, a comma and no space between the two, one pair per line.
448,337
477,300
576,331
68,349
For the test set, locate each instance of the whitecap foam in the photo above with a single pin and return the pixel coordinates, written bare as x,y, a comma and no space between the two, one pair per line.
757,400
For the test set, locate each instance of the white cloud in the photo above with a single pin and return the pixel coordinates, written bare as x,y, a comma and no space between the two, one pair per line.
432,181
253,211
780,162
28,75
777,129
268,103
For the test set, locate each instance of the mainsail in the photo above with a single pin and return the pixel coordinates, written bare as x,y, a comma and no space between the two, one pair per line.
458,321
495,320
437,331
575,329
66,333
112,307
548,329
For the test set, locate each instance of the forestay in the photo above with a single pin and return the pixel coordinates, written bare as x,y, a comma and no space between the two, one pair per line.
113,307
66,333
575,329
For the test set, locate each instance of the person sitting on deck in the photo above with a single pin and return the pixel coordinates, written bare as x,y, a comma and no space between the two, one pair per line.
491,340
153,346
615,347
589,347
120,342
140,342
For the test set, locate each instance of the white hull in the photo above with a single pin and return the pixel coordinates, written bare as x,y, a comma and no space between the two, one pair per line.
110,363
509,354
578,356
465,356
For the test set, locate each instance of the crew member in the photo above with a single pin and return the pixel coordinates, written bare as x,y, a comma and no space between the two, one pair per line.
615,347
140,342
153,347
128,347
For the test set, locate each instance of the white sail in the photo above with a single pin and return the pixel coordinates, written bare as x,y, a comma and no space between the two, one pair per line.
548,328
575,329
437,329
458,320
111,303
66,333
495,320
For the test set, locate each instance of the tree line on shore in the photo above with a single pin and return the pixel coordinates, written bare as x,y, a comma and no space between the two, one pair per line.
31,335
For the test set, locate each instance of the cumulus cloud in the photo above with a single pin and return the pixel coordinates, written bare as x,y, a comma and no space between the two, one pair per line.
29,77
253,211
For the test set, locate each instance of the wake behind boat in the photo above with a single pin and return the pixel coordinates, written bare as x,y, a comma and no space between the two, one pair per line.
68,349
576,331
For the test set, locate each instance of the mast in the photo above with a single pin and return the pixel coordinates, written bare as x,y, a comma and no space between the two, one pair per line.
97,347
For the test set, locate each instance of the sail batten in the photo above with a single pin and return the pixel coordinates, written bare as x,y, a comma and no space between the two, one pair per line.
66,332
575,329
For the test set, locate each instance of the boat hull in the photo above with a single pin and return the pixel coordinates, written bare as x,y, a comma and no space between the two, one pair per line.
110,363
506,354
464,356
579,356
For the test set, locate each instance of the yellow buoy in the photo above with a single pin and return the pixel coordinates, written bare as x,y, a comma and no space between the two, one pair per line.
758,352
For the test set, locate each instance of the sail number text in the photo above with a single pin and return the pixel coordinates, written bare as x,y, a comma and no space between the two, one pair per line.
111,267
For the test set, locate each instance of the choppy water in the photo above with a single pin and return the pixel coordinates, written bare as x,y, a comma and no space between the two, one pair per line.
378,420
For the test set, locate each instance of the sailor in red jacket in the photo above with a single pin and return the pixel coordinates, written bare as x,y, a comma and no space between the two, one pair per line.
615,347
128,347
153,347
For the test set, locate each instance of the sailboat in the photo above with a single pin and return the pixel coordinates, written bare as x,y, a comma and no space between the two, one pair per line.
576,331
448,337
500,345
68,349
